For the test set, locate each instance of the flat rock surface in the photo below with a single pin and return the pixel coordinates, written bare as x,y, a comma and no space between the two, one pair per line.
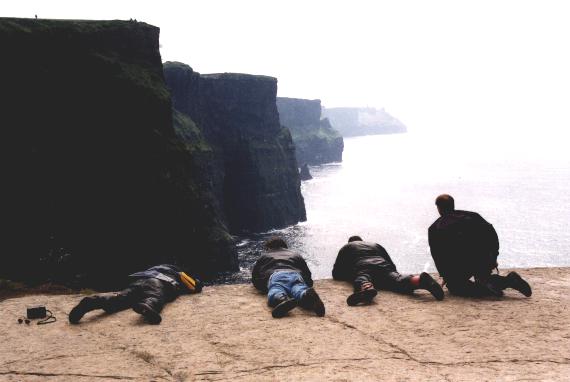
227,333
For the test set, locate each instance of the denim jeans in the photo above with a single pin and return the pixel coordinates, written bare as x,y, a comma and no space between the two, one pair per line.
283,284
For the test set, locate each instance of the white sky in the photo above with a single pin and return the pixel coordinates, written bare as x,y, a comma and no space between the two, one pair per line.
445,67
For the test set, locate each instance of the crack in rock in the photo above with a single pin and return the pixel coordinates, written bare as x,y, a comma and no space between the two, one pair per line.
149,359
264,369
38,374
410,357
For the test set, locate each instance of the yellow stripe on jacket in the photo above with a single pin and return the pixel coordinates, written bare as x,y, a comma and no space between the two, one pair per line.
188,281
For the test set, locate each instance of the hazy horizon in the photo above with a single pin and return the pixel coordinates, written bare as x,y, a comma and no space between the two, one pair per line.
493,73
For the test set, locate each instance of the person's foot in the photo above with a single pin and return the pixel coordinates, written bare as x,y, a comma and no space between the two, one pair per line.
283,307
516,282
150,315
87,304
312,301
490,288
364,295
427,282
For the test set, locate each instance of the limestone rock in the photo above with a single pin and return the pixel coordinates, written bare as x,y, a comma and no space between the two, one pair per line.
226,333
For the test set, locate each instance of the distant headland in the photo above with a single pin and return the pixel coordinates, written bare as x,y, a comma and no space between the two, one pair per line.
354,121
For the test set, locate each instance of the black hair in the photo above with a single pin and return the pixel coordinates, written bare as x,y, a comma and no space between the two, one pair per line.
275,242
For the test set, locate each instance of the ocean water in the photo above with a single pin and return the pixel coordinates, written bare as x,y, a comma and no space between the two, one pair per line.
385,188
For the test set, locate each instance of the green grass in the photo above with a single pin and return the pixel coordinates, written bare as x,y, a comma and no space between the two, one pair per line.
321,133
23,25
189,133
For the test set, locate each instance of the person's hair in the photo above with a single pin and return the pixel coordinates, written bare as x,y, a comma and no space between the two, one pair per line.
445,203
354,238
275,242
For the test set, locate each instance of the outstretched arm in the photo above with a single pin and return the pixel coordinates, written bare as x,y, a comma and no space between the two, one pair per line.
438,253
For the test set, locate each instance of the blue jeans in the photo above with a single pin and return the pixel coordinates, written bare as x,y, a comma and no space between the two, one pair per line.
284,284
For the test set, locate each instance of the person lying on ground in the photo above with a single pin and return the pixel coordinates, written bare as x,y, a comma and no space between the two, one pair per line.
285,277
147,294
368,267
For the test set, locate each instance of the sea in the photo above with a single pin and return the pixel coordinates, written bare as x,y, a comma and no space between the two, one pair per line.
384,190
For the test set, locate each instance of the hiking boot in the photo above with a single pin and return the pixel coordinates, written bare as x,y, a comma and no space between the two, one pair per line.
283,307
427,282
87,304
312,301
515,281
150,315
362,296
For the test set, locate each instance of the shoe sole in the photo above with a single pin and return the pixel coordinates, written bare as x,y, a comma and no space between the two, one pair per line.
427,282
317,305
282,309
521,285
84,306
363,296
75,315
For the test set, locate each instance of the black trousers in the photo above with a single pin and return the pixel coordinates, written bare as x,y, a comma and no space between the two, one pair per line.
150,291
382,278
467,288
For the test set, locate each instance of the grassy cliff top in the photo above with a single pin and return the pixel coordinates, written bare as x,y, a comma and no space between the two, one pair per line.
12,24
239,77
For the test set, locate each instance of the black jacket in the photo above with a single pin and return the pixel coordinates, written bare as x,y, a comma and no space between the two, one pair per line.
172,273
278,260
463,243
358,256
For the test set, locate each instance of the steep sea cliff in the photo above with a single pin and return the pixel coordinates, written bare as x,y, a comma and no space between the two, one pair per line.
316,141
253,167
97,182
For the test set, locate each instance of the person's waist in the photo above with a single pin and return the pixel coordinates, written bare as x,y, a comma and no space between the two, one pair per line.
158,276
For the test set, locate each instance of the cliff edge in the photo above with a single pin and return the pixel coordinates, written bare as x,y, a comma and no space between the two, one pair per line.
226,333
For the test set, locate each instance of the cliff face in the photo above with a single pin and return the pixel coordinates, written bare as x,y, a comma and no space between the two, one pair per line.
254,175
98,182
352,121
316,141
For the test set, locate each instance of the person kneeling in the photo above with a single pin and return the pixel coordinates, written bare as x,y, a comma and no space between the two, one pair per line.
464,246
